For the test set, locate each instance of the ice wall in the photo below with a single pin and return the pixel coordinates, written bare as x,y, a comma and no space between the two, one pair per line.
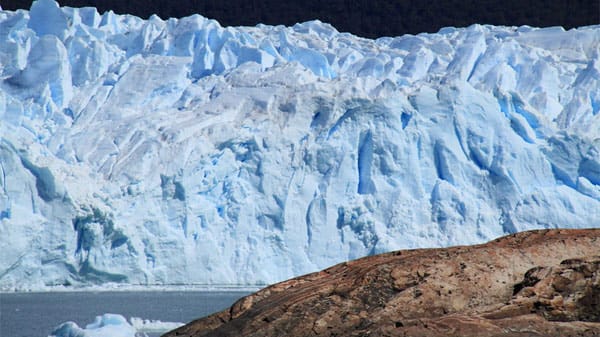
182,152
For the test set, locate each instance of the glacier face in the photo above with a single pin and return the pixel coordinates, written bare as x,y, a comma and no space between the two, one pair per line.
182,152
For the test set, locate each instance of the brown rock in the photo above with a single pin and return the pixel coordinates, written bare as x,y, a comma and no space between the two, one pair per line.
537,283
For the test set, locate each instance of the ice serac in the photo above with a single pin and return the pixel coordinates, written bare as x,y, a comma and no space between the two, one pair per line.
179,151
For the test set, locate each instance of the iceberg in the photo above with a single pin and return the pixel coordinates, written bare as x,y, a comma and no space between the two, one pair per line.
114,325
105,325
180,152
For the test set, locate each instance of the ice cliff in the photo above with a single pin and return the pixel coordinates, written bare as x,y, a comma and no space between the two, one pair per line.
182,152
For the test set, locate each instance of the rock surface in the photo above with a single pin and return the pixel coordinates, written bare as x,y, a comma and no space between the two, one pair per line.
536,283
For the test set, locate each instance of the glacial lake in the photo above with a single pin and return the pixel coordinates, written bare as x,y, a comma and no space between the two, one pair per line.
37,314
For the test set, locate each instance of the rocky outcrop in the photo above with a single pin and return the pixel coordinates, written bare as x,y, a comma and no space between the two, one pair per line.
537,283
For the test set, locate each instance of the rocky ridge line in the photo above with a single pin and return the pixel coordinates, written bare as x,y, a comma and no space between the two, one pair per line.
535,283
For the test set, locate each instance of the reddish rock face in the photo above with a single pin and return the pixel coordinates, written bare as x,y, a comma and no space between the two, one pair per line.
537,283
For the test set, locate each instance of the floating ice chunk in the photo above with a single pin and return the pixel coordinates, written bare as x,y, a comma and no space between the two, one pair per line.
68,329
107,325
153,326
113,325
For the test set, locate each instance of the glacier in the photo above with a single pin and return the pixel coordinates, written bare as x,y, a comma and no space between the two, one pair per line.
180,152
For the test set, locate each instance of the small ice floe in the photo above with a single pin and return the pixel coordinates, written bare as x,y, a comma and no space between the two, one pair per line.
114,325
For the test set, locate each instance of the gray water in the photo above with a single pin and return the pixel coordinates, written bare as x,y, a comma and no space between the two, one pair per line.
37,314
